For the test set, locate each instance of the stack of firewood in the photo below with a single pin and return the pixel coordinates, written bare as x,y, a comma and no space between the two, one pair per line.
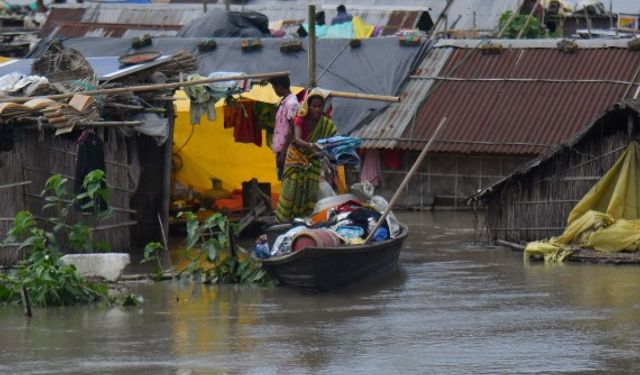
81,110
12,111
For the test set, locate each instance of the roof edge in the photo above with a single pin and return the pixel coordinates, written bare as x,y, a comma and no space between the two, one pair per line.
632,104
531,43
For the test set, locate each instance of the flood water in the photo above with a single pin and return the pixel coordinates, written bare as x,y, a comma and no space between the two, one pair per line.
451,308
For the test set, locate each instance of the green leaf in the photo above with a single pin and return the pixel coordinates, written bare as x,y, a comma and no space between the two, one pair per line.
211,249
151,249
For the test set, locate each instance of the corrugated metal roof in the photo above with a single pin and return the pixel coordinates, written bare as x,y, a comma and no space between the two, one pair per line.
81,29
60,16
522,100
386,128
477,14
149,14
402,14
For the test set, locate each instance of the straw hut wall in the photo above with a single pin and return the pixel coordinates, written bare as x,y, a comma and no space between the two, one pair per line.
534,202
36,156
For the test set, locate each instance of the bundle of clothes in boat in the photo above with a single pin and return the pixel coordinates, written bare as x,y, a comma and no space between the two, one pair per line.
336,221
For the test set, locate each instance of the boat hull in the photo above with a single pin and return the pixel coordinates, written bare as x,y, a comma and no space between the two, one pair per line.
329,268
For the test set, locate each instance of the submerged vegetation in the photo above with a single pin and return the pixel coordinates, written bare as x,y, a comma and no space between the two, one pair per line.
211,253
41,275
47,281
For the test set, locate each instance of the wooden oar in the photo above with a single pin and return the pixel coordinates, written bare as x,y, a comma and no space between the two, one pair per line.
404,183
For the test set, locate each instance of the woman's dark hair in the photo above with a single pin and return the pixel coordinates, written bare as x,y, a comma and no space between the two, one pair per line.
341,8
316,97
283,81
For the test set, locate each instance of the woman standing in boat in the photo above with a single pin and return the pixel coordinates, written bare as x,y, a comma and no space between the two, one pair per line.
302,168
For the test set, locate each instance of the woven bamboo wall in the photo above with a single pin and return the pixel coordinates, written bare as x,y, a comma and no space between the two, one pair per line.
536,205
38,156
443,180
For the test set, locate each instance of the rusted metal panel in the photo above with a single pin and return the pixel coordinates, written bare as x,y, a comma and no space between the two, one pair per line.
385,130
59,16
522,100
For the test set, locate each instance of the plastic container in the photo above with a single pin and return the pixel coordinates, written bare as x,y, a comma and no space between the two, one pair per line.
381,234
315,238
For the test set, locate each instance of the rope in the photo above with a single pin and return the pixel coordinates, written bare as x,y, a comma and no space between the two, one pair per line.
332,61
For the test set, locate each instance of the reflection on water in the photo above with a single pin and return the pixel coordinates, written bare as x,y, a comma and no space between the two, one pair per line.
452,308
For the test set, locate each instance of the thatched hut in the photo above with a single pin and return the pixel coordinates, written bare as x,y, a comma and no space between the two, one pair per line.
534,202
42,137
136,176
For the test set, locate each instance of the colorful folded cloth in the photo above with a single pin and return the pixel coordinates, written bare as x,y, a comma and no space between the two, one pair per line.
341,149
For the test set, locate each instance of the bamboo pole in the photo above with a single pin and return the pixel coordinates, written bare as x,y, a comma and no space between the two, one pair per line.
526,22
15,184
98,124
311,54
167,172
165,243
354,95
533,80
406,180
506,25
154,87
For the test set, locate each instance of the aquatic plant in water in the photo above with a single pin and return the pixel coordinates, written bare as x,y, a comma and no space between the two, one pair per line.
211,257
46,280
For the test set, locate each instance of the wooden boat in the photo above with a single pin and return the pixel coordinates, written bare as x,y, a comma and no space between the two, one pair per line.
329,268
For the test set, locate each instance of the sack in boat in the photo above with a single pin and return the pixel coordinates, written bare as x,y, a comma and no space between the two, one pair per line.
315,238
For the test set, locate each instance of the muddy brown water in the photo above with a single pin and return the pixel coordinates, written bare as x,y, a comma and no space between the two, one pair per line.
451,308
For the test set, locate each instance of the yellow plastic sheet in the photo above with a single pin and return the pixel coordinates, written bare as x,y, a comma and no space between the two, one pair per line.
616,194
361,30
211,152
606,218
550,250
577,232
622,235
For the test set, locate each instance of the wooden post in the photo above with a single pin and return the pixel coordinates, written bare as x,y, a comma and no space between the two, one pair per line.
26,302
405,182
311,54
587,20
166,175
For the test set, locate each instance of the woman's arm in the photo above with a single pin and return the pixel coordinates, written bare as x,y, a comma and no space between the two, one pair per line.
297,136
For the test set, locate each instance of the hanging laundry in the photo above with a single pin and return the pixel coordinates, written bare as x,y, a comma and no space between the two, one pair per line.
241,116
392,159
265,118
200,101
371,170
90,156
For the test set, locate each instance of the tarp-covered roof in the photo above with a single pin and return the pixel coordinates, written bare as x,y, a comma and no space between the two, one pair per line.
379,66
